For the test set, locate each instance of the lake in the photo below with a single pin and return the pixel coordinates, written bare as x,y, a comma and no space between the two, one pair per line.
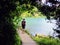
40,26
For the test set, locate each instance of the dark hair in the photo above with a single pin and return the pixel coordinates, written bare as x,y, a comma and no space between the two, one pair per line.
23,19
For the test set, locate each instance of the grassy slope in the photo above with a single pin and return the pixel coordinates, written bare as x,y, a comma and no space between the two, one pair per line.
46,41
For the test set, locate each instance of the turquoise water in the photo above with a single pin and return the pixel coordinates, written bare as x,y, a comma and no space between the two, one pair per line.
39,26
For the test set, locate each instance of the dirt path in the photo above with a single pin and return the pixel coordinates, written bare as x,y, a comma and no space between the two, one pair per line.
26,39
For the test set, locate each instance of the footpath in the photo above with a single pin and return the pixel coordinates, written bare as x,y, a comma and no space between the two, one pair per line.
26,39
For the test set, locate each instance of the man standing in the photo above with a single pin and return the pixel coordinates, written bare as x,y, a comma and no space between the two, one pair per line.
23,24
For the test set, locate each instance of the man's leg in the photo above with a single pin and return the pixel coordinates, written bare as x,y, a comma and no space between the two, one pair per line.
23,28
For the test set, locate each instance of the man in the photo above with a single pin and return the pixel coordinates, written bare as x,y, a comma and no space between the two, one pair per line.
23,24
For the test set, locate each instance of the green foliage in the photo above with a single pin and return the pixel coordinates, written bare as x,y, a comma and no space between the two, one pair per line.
16,19
8,34
17,40
46,41
27,10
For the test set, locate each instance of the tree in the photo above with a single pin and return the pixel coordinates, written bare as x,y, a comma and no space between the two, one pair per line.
7,31
57,16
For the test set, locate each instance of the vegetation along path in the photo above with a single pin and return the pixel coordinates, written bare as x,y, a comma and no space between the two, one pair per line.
26,39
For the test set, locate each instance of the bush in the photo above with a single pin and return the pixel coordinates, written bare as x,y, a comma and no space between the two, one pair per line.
47,41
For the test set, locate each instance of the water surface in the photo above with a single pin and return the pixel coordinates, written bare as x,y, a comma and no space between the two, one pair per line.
39,26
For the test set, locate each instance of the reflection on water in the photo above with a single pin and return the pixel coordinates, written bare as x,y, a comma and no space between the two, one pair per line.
39,26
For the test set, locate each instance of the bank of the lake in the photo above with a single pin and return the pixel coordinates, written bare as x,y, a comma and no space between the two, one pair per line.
46,41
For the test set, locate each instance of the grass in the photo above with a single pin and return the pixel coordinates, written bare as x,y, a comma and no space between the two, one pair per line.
46,41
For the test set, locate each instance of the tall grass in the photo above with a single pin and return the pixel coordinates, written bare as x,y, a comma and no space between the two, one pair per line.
47,41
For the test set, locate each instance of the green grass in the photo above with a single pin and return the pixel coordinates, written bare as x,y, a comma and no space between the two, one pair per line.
27,32
46,41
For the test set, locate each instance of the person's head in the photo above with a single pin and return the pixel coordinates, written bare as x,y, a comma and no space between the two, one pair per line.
23,19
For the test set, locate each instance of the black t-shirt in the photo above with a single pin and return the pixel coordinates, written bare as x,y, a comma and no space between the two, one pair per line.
23,22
